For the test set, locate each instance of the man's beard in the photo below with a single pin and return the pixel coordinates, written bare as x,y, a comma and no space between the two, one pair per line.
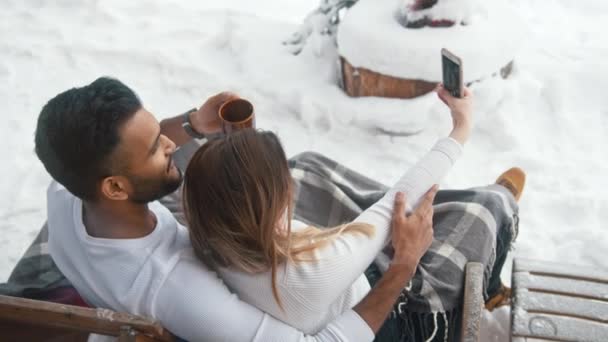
149,190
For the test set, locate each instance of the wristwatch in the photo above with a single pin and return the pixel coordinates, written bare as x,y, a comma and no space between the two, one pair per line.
188,126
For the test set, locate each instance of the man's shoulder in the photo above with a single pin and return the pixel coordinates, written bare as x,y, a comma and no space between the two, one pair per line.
58,194
60,203
55,187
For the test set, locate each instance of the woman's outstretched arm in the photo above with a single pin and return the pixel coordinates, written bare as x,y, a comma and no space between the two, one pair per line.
343,261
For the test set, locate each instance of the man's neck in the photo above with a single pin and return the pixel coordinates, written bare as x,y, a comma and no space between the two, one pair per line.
117,220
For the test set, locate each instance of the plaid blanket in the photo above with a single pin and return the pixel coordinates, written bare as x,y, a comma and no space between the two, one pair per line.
467,224
475,225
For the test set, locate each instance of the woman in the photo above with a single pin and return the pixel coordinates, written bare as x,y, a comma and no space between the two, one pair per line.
238,202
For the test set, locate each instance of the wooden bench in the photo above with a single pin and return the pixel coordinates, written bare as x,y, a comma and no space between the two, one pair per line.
552,302
557,302
33,320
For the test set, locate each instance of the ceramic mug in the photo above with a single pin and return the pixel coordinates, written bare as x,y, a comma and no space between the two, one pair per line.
236,114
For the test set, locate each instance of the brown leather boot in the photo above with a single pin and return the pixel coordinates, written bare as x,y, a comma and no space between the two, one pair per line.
514,179
502,298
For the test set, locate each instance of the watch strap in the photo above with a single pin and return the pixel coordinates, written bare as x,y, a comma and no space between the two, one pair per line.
188,126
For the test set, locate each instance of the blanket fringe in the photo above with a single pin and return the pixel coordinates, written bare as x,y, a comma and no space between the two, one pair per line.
426,327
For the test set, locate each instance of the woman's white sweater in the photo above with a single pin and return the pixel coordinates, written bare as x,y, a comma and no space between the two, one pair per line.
314,293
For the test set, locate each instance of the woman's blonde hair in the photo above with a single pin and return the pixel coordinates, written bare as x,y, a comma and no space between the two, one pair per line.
236,192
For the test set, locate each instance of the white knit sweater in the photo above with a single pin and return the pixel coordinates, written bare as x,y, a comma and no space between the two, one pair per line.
315,293
158,276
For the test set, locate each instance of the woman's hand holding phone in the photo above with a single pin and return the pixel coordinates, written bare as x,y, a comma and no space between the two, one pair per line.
461,109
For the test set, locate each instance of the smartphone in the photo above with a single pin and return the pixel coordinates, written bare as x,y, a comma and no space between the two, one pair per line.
452,73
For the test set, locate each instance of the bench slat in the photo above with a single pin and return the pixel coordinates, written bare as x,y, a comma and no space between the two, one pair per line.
529,339
562,305
101,321
472,302
557,328
566,286
536,266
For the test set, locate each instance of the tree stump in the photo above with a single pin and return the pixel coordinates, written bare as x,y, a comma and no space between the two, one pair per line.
358,82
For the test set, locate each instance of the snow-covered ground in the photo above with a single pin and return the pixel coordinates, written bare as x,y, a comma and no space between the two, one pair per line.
550,117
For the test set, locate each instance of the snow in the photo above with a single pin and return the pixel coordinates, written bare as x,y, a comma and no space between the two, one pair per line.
495,325
493,37
550,117
467,11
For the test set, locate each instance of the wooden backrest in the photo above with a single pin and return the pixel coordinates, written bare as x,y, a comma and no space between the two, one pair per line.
74,323
27,316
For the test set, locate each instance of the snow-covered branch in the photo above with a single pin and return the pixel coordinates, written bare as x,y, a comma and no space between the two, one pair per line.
323,21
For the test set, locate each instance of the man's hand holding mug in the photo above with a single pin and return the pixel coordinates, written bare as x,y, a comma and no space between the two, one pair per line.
223,113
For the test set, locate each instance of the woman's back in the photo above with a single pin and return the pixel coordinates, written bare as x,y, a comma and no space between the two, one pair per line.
304,289
237,193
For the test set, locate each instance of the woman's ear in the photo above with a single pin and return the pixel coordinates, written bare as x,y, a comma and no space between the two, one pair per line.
115,188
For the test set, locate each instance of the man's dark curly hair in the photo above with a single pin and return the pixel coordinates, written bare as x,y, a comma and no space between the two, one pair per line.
77,132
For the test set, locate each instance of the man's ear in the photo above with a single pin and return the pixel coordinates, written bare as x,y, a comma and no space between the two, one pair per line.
115,188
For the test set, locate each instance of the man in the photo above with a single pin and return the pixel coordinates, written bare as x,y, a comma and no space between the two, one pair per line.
121,249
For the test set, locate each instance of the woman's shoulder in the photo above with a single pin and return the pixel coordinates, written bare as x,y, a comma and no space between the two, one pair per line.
298,225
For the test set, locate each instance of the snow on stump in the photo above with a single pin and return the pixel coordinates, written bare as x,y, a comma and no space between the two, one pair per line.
558,302
390,51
